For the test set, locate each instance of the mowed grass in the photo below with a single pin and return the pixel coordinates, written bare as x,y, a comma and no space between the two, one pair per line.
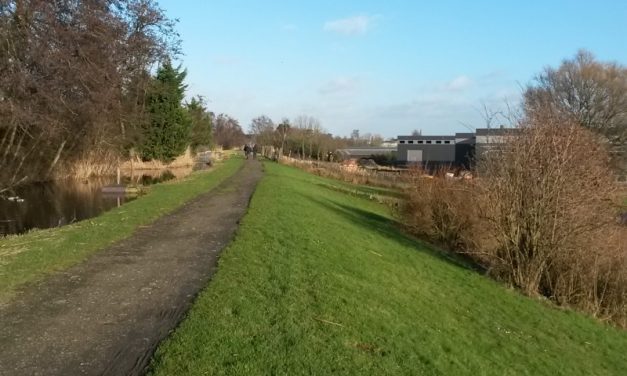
318,281
29,257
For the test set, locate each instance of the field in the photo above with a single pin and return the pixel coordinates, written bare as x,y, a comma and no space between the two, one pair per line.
28,258
319,280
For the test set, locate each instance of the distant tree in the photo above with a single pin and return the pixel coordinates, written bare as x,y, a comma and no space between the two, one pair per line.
308,127
227,132
260,124
282,130
168,132
202,128
367,139
589,92
355,134
376,140
262,128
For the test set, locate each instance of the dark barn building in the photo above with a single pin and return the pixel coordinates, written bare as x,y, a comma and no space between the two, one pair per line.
449,151
436,151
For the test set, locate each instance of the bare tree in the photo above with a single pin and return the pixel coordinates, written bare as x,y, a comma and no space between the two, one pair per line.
589,92
307,126
227,132
262,128
283,130
68,69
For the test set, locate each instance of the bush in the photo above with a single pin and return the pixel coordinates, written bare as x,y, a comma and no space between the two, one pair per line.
442,210
540,216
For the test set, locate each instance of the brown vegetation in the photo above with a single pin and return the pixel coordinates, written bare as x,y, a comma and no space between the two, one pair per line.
73,78
349,173
305,138
540,216
227,133
589,92
442,210
136,163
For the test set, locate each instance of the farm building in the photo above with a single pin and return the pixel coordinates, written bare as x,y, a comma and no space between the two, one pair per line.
450,150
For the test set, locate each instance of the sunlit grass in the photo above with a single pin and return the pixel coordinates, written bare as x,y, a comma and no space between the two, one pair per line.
320,281
29,257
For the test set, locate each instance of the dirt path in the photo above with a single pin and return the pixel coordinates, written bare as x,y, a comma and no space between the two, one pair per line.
107,315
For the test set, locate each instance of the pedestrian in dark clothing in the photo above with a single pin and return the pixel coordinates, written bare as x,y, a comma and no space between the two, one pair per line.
247,150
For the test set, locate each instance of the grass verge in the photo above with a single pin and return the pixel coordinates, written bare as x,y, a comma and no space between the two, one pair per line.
29,257
320,281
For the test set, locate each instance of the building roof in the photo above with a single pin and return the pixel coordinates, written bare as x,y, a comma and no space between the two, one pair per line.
494,131
464,135
419,137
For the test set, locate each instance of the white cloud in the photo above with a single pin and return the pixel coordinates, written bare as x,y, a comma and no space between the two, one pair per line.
340,85
459,83
356,25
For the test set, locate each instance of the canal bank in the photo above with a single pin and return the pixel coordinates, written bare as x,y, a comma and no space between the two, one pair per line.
106,315
56,203
29,257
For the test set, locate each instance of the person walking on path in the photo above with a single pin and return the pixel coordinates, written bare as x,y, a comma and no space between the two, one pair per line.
247,150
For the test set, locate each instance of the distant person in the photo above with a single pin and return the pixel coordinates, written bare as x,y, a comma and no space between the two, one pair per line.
255,151
247,150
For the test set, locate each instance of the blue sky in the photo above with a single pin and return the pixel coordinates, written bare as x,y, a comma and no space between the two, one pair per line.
384,67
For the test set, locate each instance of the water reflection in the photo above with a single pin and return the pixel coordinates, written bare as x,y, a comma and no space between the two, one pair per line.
57,203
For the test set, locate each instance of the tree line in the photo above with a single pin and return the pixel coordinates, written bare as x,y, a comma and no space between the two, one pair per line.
304,137
90,80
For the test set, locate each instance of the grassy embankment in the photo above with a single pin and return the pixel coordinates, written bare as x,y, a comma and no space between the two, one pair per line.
29,257
318,281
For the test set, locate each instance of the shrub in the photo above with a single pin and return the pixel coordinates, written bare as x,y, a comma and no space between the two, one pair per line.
442,210
540,216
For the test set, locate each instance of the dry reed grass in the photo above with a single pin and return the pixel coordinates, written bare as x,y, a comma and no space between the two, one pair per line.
106,163
349,173
185,160
97,163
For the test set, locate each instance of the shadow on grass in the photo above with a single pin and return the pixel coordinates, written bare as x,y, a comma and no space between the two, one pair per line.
390,229
339,185
361,190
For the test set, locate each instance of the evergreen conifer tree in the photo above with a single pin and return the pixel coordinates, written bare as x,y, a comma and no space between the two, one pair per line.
201,133
167,134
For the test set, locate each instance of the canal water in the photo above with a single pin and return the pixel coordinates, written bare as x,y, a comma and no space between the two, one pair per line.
58,203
